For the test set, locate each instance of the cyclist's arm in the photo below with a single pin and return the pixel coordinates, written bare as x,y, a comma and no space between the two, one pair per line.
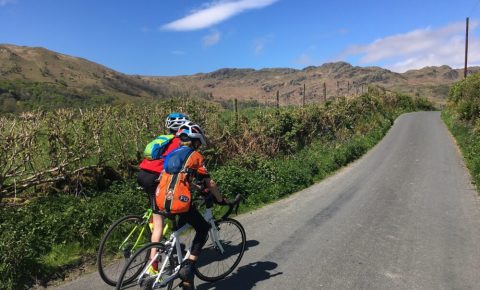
203,175
212,186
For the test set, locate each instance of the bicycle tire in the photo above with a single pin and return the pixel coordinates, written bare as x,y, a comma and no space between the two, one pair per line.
144,284
116,233
211,258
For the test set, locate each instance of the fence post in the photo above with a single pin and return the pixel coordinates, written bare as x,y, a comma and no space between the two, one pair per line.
324,91
236,112
303,102
278,99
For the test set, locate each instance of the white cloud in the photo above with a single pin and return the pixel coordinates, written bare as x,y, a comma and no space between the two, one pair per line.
211,39
342,31
213,13
419,48
304,59
178,52
260,43
5,2
258,46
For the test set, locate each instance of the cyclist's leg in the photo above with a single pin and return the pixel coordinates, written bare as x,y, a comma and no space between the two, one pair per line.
149,182
201,226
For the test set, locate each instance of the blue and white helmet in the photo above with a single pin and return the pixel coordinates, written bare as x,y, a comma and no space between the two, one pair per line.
175,120
193,131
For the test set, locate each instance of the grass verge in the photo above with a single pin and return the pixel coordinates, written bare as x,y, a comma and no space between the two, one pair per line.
468,140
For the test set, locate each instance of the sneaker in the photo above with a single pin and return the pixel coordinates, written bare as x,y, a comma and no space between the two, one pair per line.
187,286
151,271
150,224
186,273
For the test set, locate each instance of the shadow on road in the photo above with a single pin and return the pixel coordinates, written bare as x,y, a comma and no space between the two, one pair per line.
244,277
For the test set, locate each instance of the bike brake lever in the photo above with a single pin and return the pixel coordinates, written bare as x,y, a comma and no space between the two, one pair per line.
238,199
236,208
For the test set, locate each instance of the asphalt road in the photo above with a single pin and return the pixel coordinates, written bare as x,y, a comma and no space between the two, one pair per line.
405,216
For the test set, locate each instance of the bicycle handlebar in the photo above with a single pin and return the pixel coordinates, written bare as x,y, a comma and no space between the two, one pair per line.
232,205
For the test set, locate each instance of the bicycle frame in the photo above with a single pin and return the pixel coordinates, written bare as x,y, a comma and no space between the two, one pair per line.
173,242
146,217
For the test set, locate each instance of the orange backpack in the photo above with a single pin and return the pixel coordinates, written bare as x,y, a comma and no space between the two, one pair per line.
173,192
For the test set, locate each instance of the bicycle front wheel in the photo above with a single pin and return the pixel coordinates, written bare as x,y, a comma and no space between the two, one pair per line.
121,241
142,279
213,264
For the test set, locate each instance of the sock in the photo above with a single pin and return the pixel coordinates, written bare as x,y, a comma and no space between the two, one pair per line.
155,265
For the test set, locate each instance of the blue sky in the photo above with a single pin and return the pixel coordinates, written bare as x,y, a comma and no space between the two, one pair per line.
175,37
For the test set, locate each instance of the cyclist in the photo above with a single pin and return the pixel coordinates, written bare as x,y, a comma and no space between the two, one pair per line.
149,172
173,195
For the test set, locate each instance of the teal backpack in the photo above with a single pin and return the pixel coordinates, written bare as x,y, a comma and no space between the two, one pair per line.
155,149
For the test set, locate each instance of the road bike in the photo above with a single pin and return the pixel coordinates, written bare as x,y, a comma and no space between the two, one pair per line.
122,239
221,254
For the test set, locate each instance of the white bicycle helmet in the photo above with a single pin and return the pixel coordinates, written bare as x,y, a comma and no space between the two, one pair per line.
193,131
175,120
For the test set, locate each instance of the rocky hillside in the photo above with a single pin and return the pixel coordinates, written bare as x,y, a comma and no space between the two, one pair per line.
75,80
340,78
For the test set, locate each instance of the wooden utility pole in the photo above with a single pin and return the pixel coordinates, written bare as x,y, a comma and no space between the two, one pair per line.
324,91
466,52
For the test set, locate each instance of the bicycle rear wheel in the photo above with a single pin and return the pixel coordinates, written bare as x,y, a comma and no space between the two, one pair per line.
137,264
122,239
213,265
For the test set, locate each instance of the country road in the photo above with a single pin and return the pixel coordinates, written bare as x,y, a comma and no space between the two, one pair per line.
405,216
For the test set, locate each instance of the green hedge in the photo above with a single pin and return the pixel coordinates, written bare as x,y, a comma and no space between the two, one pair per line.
29,232
469,141
462,117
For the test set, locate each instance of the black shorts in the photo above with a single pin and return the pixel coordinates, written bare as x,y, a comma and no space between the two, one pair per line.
201,226
149,181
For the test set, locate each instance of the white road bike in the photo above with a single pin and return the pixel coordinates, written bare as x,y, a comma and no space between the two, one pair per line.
220,255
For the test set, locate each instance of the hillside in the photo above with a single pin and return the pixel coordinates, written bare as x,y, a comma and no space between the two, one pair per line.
33,76
41,65
36,77
340,79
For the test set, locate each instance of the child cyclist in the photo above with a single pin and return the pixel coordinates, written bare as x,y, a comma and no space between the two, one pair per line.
150,170
173,194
